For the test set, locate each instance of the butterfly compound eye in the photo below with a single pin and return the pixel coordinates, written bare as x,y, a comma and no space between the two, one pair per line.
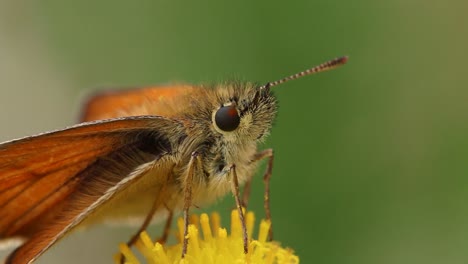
227,118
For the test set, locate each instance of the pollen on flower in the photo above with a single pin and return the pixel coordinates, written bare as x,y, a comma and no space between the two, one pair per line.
213,245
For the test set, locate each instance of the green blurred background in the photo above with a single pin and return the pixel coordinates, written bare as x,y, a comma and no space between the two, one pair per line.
371,159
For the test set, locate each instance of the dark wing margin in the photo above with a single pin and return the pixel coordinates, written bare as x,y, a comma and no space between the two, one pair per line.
49,183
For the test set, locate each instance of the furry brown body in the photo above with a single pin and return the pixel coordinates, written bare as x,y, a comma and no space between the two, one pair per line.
122,168
137,152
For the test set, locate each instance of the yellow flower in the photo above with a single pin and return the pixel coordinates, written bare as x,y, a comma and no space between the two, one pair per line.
216,246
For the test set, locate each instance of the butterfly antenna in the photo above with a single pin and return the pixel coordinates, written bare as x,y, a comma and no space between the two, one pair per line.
319,68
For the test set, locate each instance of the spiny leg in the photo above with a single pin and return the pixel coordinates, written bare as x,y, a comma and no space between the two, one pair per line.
161,240
145,224
267,153
148,218
235,191
188,198
167,228
248,184
246,193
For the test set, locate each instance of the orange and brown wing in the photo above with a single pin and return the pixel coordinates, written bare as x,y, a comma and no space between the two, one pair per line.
112,104
48,181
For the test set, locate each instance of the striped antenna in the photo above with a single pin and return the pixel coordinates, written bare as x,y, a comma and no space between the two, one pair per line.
320,68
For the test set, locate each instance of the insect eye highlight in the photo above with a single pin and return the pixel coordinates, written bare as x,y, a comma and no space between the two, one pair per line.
227,118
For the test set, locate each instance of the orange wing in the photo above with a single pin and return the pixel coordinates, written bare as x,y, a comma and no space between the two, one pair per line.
112,104
42,176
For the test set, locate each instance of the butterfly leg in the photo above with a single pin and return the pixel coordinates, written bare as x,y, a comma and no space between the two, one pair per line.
246,193
248,184
167,228
194,161
235,191
147,221
267,153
